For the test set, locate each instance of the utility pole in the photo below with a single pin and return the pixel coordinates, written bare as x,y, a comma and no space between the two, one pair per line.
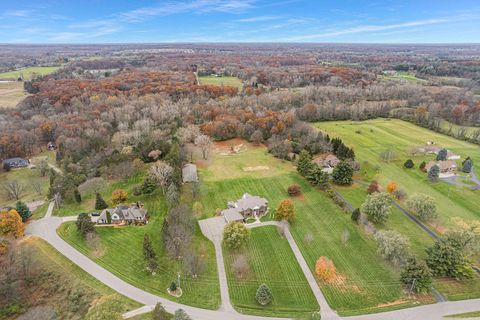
413,285
178,279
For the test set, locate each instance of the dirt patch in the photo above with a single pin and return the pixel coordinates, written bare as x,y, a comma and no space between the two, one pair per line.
257,168
393,303
230,147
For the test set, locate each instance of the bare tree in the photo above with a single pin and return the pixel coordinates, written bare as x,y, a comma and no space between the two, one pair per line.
204,142
178,229
162,174
43,167
194,263
13,189
188,134
37,188
240,266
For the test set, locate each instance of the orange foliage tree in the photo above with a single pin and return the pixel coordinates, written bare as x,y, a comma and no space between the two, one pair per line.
11,224
391,186
285,211
119,196
325,269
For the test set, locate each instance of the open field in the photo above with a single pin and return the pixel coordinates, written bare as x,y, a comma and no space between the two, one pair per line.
219,81
404,76
119,250
75,294
376,136
271,261
11,93
366,282
27,73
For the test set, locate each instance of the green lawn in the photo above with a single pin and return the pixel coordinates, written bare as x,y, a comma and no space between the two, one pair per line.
27,178
74,293
219,81
379,135
474,314
27,73
271,261
404,76
366,282
119,250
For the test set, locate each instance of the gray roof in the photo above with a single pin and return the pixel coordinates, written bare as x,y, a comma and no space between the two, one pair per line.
16,162
232,214
250,202
189,173
125,213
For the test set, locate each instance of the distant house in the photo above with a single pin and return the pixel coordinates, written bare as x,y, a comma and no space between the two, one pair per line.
189,173
245,207
447,167
390,72
15,163
328,163
123,214
431,149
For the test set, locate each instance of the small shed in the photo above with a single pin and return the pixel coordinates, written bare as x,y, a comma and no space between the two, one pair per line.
189,173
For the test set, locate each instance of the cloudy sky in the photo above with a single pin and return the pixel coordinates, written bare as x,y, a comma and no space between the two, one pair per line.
122,21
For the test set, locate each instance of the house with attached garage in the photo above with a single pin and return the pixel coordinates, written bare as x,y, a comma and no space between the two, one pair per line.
327,163
123,214
447,167
247,206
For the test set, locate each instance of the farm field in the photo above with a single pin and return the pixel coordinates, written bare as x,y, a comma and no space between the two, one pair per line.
76,293
219,81
11,93
372,137
27,73
271,261
365,283
119,250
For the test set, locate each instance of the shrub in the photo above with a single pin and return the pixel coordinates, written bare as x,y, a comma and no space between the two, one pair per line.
285,211
422,165
416,276
294,190
119,196
409,164
343,173
373,187
23,210
264,295
159,313
377,207
235,235
391,186
392,246
173,286
400,194
77,196
325,269
355,215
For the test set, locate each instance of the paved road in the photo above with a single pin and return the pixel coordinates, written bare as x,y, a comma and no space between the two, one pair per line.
46,229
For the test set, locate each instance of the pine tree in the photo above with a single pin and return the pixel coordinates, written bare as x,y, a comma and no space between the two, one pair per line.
343,173
304,164
148,186
23,210
100,204
409,164
355,214
434,173
149,254
442,155
467,166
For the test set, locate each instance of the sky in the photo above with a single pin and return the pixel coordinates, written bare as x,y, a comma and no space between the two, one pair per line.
334,21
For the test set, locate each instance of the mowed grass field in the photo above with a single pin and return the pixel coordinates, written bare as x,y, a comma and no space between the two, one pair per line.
27,73
271,261
11,93
221,81
404,76
370,138
365,283
119,250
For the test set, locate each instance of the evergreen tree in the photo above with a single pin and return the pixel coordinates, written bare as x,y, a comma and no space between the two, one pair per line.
149,254
100,204
434,174
264,295
442,155
23,210
85,224
173,286
304,164
159,313
422,165
148,186
77,196
409,164
467,166
343,173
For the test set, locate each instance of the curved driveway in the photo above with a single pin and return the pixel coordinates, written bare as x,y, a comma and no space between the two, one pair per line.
46,229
